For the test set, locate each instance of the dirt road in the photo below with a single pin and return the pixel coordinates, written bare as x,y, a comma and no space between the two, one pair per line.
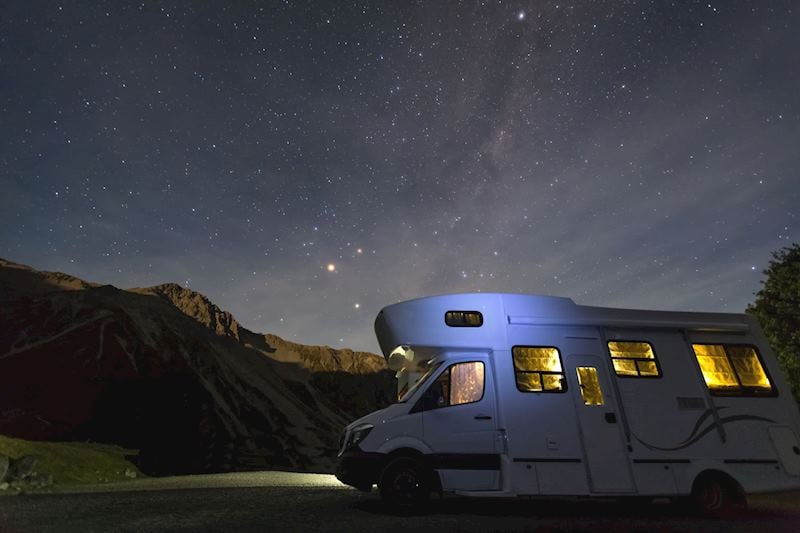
275,501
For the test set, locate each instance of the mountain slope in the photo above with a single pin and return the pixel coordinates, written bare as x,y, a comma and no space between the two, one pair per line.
22,281
165,370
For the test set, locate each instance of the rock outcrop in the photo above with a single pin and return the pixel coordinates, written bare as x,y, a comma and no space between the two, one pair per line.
5,465
22,474
196,306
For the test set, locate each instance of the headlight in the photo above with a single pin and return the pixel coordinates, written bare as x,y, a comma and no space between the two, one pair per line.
357,434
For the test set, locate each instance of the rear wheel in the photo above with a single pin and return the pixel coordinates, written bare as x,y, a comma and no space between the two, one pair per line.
718,496
405,483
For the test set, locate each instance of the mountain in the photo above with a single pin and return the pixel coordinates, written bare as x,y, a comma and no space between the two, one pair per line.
164,370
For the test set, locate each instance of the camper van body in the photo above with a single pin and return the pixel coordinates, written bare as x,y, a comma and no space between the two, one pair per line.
587,424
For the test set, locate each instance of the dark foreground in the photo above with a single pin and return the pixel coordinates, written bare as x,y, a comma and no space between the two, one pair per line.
297,502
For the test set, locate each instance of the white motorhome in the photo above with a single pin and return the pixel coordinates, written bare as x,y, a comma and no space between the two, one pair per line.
521,395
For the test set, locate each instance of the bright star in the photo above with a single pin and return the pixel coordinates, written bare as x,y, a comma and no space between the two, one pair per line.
331,267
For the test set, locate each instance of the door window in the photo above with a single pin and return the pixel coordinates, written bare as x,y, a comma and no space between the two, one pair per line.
461,383
589,384
466,383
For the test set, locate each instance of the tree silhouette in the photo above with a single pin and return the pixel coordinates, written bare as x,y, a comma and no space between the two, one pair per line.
777,307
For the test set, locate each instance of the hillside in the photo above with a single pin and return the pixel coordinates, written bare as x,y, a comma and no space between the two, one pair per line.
164,370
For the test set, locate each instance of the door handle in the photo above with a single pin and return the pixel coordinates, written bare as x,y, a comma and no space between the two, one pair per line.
483,417
611,418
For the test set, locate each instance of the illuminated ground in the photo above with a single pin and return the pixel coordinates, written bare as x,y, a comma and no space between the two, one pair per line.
275,501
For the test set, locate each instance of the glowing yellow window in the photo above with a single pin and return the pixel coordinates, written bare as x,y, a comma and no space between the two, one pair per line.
538,369
748,367
731,368
591,392
716,369
633,358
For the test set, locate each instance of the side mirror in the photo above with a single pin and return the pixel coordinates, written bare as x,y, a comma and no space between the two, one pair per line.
425,403
432,399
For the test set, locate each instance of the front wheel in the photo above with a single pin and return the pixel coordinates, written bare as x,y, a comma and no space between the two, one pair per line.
404,483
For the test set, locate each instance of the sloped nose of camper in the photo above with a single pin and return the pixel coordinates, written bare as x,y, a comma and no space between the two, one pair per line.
384,334
473,320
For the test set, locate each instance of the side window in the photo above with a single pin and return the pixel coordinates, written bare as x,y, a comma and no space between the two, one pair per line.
463,319
538,369
459,384
732,369
634,359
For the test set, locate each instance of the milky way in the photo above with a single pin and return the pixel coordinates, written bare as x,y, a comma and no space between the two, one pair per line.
304,165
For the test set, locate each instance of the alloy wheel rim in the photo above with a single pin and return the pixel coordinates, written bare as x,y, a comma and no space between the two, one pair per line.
712,496
406,484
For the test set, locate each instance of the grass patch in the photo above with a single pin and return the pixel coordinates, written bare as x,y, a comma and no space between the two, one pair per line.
73,462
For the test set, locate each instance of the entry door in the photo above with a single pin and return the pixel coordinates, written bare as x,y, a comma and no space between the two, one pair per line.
608,466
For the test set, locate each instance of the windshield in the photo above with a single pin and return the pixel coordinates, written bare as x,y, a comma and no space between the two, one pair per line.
425,377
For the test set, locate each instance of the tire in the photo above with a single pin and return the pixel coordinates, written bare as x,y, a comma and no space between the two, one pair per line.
405,484
717,496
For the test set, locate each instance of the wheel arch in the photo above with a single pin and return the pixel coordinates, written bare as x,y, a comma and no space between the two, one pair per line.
725,477
404,452
406,443
686,477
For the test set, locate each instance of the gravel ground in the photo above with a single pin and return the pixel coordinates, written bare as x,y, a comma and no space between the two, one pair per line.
276,501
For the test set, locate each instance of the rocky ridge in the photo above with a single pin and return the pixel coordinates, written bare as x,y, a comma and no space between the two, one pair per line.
164,370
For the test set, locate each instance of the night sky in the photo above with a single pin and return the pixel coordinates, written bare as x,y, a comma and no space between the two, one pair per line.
305,164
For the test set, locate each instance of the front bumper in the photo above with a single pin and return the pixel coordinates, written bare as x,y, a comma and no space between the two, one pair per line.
360,469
